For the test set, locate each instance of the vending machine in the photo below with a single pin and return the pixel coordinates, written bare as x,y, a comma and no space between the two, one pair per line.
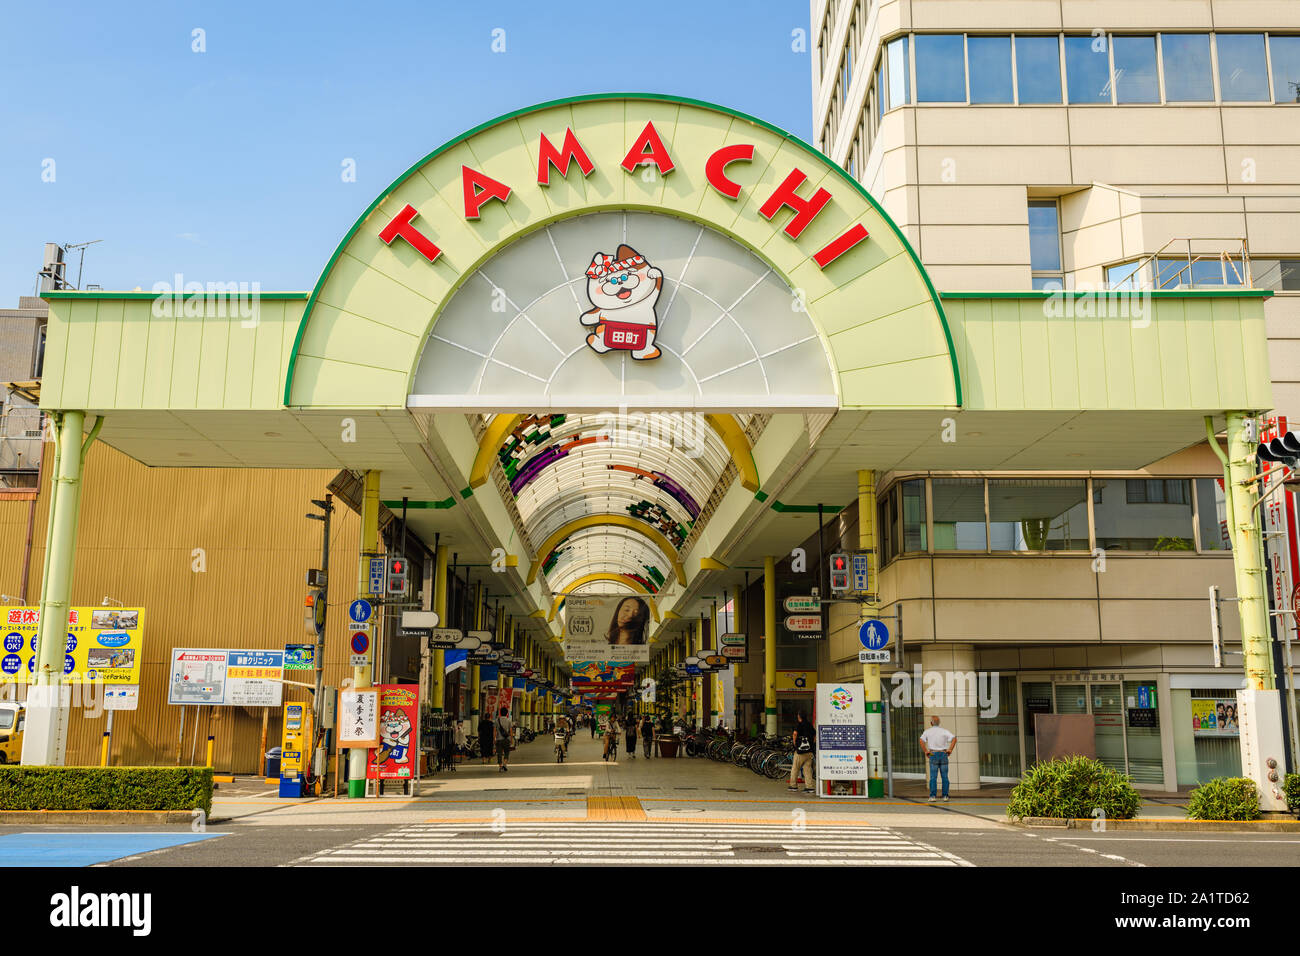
296,750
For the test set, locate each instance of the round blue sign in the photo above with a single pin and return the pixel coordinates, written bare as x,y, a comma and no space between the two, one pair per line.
72,643
873,635
12,663
68,663
360,611
360,642
13,642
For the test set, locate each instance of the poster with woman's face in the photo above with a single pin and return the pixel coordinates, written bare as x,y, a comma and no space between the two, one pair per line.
601,627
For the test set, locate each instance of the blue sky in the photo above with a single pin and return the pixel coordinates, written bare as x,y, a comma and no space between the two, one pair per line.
225,165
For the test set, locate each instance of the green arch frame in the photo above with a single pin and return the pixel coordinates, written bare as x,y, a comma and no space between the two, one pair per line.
814,153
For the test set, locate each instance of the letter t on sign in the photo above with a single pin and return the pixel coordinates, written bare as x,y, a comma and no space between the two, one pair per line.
400,225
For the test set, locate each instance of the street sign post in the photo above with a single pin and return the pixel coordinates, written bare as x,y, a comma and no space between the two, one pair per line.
802,604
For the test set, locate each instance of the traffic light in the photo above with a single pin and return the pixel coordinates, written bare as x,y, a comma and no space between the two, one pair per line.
839,572
1284,449
397,575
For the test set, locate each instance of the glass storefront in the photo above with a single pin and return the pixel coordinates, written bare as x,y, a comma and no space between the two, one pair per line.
999,735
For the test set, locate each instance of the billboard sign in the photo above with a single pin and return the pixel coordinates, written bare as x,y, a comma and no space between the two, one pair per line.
841,720
602,627
226,678
104,645
395,757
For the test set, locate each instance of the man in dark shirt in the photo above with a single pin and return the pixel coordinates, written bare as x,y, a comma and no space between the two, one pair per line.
804,755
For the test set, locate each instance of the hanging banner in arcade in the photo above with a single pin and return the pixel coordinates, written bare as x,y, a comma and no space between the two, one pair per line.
399,716
104,645
599,627
602,676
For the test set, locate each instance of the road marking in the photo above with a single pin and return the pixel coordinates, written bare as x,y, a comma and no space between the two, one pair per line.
632,843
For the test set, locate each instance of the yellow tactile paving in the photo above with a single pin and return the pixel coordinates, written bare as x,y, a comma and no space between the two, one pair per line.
615,808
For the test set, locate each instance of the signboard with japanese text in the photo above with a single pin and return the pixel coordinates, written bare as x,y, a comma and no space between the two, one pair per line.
1215,717
395,756
300,657
103,645
225,677
359,718
841,721
606,628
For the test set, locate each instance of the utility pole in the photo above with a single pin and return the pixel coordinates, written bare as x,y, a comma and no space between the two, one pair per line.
322,595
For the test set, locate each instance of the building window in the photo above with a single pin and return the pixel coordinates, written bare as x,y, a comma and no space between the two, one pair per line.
1285,53
1136,77
1188,75
1243,68
896,73
1280,275
1038,70
1087,69
40,352
990,69
1045,244
959,514
1038,514
1144,515
1212,515
940,68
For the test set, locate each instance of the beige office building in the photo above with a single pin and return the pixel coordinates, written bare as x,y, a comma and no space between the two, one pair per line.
1084,144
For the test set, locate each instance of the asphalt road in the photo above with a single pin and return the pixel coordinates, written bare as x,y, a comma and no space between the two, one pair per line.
651,843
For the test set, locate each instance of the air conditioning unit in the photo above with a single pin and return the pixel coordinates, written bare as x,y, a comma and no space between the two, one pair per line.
32,433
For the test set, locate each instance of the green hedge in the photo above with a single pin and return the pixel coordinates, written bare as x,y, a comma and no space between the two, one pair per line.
106,788
1224,798
1291,790
1072,788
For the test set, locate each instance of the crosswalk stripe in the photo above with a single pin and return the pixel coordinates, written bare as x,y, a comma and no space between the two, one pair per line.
634,843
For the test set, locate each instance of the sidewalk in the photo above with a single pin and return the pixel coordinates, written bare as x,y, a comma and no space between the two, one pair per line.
684,788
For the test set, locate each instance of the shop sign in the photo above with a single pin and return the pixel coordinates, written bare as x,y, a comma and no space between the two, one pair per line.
803,623
613,271
1143,717
796,681
802,604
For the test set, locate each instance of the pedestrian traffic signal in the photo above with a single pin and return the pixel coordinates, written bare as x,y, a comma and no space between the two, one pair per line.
397,575
839,572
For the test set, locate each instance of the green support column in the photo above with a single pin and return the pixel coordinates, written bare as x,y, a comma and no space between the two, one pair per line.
45,741
769,641
1247,551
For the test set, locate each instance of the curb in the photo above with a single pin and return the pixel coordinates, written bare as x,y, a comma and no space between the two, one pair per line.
1212,826
96,817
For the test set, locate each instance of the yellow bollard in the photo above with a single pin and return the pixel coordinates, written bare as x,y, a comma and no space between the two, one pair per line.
211,738
103,750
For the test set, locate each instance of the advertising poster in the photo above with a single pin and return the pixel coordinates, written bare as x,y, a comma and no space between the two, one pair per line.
602,676
399,715
226,678
1215,717
599,627
841,719
300,657
104,645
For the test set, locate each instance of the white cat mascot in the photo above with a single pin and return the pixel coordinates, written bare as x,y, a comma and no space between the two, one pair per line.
624,289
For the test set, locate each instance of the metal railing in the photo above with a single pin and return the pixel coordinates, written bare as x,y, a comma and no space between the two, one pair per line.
1178,265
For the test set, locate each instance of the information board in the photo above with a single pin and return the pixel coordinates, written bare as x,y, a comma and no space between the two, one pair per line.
104,645
841,720
225,677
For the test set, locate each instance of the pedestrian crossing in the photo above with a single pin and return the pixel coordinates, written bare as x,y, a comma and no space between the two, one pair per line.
648,843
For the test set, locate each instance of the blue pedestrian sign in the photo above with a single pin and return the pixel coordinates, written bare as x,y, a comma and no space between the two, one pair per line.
873,635
359,611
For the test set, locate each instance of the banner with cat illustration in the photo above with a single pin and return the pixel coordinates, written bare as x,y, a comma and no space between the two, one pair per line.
396,757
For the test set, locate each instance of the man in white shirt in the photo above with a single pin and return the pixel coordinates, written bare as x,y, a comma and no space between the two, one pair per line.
938,744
